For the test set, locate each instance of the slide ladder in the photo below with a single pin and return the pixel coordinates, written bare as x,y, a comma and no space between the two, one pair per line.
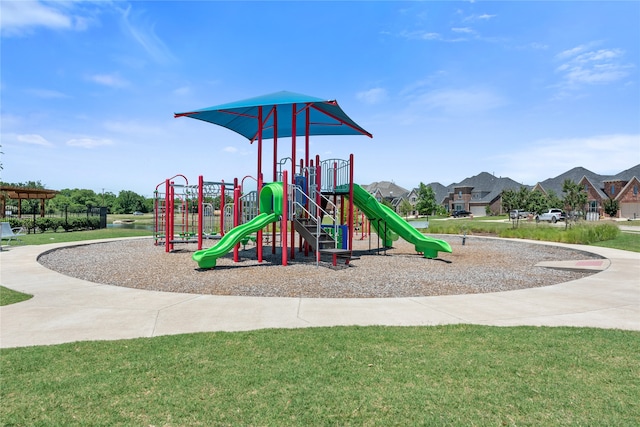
308,224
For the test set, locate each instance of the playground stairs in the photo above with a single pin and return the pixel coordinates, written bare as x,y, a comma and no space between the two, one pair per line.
321,241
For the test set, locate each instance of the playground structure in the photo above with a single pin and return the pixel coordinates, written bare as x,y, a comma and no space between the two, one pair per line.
312,201
186,213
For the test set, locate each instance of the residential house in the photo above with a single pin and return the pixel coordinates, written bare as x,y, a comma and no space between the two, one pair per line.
622,187
389,191
483,192
480,193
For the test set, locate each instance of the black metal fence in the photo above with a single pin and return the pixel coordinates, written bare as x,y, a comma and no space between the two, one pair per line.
67,219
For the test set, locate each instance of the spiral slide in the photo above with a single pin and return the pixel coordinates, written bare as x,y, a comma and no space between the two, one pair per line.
381,215
270,208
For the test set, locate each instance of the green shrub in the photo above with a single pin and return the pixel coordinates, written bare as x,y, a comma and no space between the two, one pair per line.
48,224
579,234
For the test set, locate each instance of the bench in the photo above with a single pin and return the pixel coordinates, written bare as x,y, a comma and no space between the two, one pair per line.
8,233
344,254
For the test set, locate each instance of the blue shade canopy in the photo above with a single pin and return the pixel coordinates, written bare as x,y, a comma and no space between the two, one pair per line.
325,117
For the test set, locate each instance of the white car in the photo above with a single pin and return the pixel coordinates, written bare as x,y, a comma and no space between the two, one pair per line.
517,214
552,215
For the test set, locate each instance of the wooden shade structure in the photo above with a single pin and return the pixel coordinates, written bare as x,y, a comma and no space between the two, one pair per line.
20,194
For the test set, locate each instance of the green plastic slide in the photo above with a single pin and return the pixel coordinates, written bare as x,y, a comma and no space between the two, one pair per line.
270,208
389,225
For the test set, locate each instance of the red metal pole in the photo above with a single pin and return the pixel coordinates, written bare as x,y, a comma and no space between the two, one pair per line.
200,210
284,221
260,124
236,217
156,205
350,202
223,197
307,127
318,180
294,116
167,223
171,216
275,143
259,233
275,171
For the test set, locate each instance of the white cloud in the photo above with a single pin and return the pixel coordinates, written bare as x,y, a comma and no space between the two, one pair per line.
585,65
88,142
372,96
538,46
134,128
420,35
145,35
34,139
230,149
181,91
21,17
110,80
460,101
547,158
465,30
46,93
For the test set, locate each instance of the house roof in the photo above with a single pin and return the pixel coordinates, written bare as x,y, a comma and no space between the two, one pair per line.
387,189
628,174
487,187
440,191
576,174
489,184
598,188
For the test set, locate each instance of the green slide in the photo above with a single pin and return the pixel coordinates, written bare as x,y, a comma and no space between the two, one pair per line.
392,225
270,208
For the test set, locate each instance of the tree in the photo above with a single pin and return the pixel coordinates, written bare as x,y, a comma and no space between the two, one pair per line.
405,208
87,199
536,202
575,198
128,202
611,207
426,203
553,201
509,200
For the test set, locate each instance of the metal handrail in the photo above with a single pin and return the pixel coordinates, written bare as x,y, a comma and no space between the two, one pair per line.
316,213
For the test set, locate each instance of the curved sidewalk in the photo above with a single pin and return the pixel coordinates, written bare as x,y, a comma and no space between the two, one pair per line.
66,309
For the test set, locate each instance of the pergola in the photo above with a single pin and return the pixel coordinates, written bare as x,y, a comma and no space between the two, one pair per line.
20,194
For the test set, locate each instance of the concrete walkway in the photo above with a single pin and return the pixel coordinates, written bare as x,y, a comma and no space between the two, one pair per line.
65,309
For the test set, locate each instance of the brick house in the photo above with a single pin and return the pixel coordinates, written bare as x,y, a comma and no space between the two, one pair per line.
480,193
389,191
484,191
622,187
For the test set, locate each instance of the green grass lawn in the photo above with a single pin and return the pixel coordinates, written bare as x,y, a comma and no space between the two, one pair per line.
78,236
446,375
9,296
624,241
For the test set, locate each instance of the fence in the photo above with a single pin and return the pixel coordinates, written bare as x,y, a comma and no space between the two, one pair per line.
68,219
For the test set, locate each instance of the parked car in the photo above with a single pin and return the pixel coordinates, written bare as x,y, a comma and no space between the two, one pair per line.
552,215
460,213
138,213
517,213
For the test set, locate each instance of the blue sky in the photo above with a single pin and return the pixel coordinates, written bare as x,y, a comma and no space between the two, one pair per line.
526,90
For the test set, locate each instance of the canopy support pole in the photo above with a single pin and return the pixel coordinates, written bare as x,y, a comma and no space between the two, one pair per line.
294,115
259,233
